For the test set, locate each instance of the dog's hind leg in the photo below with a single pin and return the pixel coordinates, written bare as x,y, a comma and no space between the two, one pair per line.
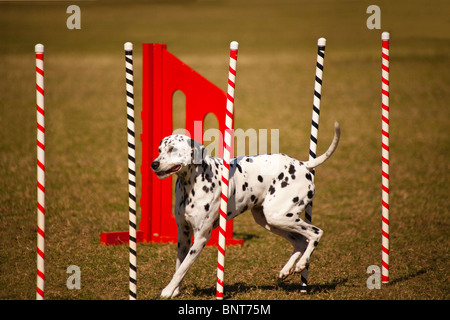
313,236
298,243
296,240
297,229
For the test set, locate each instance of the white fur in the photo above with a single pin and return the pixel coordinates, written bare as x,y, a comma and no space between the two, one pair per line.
276,188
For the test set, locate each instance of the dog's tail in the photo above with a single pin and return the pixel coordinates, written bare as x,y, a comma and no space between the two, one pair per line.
321,159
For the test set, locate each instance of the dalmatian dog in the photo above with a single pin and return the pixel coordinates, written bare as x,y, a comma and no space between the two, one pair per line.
274,187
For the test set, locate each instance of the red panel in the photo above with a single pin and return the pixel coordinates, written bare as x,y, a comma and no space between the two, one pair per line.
163,74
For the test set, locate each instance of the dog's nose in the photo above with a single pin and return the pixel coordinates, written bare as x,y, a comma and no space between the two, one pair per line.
155,165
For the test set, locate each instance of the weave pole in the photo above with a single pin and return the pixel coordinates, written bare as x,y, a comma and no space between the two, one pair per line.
227,153
321,42
128,46
385,158
39,50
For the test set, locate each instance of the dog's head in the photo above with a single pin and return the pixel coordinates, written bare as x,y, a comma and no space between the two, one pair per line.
176,153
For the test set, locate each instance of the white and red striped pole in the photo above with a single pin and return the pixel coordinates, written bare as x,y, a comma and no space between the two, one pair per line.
385,158
39,49
227,154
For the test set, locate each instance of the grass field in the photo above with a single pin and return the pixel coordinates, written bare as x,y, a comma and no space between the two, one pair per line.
86,156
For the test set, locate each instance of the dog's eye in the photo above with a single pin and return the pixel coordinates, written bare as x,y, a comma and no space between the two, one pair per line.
172,149
159,150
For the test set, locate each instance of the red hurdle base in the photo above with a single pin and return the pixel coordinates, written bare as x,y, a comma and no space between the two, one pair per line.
163,75
121,237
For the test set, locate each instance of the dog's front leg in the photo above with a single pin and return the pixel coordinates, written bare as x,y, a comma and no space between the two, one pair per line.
172,289
184,242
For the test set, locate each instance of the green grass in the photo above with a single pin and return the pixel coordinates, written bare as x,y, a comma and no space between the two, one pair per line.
86,142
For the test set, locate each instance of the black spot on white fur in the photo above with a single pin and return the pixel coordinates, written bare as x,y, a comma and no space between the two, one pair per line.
291,169
271,189
275,190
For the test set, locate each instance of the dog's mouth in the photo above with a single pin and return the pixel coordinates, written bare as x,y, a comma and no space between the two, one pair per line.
170,171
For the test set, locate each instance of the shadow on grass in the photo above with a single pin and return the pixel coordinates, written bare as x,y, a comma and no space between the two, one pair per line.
326,287
288,287
245,236
239,288
407,276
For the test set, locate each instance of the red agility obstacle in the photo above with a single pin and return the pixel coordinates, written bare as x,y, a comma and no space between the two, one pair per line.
163,75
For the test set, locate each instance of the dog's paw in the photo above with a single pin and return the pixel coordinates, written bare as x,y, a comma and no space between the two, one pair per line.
301,266
166,293
284,274
176,292
169,293
280,278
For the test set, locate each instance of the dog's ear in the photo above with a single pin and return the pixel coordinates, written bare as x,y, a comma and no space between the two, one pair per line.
198,151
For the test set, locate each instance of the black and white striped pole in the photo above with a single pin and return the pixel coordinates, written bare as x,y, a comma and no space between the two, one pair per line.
321,42
131,166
